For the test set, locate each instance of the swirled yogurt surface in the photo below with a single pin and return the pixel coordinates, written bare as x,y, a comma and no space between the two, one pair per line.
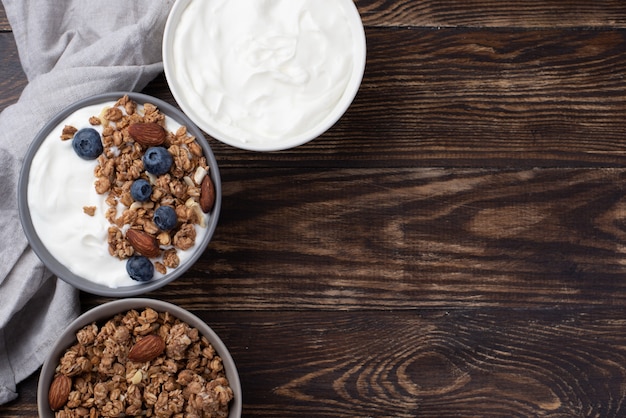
60,185
265,71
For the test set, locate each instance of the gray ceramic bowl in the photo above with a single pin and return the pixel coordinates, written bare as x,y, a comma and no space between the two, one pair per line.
62,270
105,312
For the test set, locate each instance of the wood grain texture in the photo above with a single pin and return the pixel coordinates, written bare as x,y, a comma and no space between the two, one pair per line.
480,13
13,79
523,96
432,364
490,13
4,22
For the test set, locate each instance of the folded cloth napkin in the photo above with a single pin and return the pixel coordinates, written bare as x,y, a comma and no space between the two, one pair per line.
69,49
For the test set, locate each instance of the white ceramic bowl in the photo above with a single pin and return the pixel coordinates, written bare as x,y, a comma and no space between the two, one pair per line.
61,269
229,71
104,312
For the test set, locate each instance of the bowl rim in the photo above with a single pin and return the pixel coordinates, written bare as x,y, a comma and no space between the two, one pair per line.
62,271
108,310
354,84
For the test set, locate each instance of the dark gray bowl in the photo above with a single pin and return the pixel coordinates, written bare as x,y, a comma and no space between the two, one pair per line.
106,311
62,271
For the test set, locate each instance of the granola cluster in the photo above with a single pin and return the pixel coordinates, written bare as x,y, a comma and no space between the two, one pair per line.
121,164
186,380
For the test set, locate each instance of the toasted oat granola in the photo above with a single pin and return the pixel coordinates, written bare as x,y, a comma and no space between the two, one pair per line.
186,380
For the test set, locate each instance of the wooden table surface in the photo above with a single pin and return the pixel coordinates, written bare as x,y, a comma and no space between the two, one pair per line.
455,246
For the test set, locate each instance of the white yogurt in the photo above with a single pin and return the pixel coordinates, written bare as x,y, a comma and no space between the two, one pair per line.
60,184
263,71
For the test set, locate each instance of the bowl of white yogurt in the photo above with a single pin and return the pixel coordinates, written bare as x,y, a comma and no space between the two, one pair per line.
78,212
264,75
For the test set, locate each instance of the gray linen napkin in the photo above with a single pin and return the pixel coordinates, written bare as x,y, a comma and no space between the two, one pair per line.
69,49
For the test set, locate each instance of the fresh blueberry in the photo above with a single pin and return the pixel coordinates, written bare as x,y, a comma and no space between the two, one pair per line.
140,190
87,144
165,218
157,160
140,268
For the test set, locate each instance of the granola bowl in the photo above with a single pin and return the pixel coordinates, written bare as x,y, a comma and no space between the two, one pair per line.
93,367
119,194
264,76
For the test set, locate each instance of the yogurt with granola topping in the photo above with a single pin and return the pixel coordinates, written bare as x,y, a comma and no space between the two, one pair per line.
60,187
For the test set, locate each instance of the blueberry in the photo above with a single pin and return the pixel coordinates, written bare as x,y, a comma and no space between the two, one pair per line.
140,190
165,218
140,268
157,160
87,144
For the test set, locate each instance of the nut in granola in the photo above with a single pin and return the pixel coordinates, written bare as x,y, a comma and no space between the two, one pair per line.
144,243
148,134
147,349
59,392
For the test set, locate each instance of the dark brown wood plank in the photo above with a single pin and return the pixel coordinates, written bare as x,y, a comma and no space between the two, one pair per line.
493,13
13,79
546,97
4,22
442,364
475,98
385,239
481,13
461,363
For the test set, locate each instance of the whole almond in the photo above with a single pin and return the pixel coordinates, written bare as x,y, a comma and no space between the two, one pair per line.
207,194
59,392
148,134
146,349
144,243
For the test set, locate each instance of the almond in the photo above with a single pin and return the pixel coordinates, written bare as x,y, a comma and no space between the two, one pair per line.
146,349
144,243
59,392
148,134
207,194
